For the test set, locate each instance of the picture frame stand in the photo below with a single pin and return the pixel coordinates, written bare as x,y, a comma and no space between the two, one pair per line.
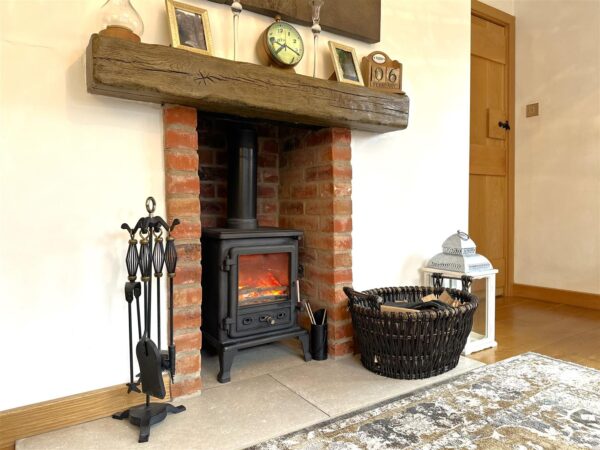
345,64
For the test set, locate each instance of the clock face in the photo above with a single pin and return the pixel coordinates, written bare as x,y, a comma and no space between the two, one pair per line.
284,44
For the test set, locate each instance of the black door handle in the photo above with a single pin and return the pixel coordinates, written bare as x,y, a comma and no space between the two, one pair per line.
504,125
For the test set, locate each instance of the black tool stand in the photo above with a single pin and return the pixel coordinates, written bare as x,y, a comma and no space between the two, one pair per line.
144,416
150,254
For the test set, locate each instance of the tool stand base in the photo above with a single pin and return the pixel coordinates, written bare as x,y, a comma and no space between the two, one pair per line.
145,416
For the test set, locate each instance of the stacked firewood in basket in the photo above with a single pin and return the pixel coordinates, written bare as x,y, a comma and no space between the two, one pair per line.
429,302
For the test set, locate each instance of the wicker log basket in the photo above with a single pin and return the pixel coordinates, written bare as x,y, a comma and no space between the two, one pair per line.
409,345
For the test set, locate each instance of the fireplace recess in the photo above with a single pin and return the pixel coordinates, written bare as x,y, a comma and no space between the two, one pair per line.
248,272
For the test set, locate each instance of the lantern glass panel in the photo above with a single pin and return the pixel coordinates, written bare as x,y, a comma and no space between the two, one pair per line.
479,288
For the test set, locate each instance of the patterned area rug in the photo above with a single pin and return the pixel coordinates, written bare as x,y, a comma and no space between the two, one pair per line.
526,402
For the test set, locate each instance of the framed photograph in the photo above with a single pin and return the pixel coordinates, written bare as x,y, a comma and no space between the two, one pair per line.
189,27
345,63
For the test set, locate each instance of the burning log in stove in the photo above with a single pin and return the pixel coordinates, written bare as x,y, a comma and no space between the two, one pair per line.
263,278
261,295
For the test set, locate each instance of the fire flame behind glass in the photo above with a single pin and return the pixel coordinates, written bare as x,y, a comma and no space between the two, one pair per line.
263,278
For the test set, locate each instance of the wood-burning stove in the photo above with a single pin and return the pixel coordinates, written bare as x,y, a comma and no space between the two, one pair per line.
248,272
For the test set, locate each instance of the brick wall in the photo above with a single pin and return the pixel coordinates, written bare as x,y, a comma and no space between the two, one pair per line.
182,187
213,173
304,182
315,196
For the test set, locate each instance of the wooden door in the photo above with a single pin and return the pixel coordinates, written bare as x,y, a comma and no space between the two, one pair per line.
490,143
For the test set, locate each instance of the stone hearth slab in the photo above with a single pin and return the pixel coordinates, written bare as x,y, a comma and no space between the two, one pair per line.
233,416
273,392
340,386
253,362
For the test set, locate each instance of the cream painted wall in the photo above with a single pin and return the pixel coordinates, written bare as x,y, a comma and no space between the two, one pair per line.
410,188
508,6
74,166
557,210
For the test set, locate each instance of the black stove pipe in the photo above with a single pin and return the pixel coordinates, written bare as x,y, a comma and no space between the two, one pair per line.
242,177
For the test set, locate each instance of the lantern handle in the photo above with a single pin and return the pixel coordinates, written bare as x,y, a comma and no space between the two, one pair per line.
464,236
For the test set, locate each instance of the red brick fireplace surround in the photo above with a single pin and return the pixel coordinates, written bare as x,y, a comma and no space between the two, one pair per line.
304,182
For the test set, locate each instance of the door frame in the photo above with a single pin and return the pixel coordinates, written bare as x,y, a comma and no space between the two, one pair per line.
507,21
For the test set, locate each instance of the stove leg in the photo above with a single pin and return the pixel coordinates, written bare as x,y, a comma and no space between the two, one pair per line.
226,356
305,346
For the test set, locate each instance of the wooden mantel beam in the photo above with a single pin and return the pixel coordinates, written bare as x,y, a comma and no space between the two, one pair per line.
160,74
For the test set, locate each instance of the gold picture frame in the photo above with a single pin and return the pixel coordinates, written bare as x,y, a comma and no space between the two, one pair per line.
189,27
345,64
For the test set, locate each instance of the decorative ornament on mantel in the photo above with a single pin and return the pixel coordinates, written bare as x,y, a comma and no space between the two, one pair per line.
316,29
121,20
380,72
236,10
282,45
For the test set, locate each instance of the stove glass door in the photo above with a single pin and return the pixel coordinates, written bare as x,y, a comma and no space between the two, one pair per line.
263,278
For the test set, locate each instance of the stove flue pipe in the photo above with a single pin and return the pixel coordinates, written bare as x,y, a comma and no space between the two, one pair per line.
242,177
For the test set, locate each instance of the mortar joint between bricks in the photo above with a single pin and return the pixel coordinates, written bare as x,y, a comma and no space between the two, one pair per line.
194,218
188,264
180,378
188,151
186,173
186,309
342,340
188,353
178,126
186,241
182,332
186,330
183,287
181,196
191,218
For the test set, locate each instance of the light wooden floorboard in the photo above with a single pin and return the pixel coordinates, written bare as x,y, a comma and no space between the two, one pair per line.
561,331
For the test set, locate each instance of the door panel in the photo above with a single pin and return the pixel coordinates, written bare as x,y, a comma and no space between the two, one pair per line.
487,221
488,213
488,40
489,144
488,160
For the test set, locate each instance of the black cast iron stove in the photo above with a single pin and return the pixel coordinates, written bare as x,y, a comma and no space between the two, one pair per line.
249,273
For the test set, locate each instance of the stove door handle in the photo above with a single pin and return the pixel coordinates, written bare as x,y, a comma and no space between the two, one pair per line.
268,319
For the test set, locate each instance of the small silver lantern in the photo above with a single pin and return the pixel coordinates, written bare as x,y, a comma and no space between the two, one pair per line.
459,257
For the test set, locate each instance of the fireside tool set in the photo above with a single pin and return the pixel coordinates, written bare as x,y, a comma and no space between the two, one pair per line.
152,361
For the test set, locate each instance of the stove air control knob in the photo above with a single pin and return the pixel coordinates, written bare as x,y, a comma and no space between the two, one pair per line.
270,320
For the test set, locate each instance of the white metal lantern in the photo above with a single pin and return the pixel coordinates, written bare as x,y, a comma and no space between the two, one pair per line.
459,257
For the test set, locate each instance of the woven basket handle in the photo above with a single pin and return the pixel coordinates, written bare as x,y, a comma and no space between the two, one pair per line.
362,299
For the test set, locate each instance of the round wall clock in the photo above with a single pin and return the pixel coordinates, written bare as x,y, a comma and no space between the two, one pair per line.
283,44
